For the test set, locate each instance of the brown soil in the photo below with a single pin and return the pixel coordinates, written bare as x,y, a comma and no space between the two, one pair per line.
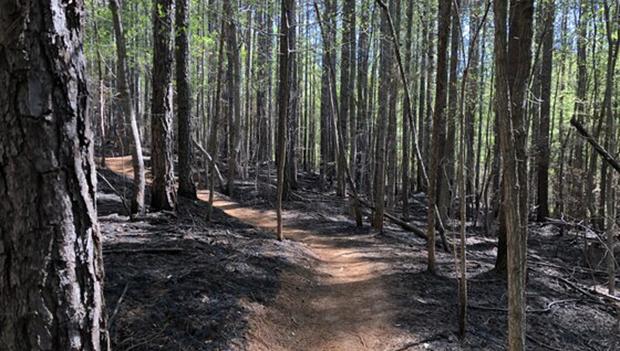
330,286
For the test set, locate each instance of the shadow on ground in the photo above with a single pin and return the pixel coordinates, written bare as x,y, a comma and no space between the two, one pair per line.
175,282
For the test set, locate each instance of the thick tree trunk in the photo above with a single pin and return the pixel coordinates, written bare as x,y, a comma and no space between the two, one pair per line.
183,100
234,93
163,196
51,267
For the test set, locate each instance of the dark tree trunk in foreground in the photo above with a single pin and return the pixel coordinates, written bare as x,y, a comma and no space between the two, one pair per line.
439,125
51,268
513,43
183,100
163,196
137,200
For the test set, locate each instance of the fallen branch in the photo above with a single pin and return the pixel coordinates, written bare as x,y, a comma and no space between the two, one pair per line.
542,310
593,293
210,159
121,195
162,250
116,308
601,151
541,344
403,224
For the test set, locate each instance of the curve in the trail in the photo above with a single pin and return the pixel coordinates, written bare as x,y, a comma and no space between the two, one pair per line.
338,304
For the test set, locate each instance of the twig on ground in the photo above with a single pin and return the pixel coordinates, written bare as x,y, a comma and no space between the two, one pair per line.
163,250
118,305
543,310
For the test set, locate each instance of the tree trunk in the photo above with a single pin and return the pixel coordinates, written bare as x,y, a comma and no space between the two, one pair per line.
362,147
406,115
183,100
286,30
439,125
137,199
327,142
234,93
512,55
346,80
382,119
293,114
163,196
51,267
545,106
263,64
215,120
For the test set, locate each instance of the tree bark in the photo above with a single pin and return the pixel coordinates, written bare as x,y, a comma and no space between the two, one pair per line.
137,199
163,196
439,125
382,119
234,93
287,16
543,157
513,59
183,100
51,267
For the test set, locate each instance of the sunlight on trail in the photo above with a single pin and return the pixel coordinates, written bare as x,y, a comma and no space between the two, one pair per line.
339,304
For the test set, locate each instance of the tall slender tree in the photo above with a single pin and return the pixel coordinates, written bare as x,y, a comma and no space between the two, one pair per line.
380,129
137,199
286,19
234,93
439,125
546,68
513,41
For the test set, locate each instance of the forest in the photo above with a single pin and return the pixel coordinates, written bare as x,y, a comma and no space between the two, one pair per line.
309,175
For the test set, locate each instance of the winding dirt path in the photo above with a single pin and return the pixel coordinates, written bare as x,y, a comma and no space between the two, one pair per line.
338,303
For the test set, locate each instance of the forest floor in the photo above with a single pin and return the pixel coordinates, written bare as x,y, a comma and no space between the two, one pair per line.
176,282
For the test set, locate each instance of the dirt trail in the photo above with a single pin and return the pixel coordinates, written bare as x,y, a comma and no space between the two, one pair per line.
340,303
